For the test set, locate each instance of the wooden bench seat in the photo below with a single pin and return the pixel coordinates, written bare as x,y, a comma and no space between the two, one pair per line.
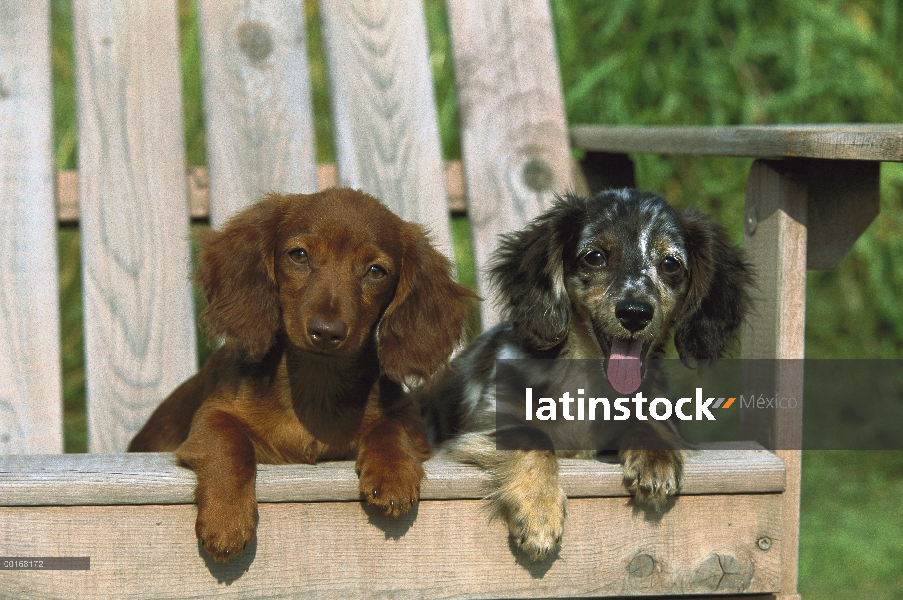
133,515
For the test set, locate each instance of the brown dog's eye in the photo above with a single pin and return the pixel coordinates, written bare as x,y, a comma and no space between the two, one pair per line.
376,272
594,258
670,265
298,255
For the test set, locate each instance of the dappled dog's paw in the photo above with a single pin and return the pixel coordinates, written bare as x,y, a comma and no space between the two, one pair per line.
652,475
225,531
535,519
394,487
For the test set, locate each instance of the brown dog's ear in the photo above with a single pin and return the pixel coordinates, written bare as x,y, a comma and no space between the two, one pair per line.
718,296
236,273
528,272
425,320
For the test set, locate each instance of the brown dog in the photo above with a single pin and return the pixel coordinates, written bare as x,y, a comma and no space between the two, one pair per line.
326,304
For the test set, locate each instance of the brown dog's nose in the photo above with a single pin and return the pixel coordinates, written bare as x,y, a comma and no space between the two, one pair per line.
326,334
634,315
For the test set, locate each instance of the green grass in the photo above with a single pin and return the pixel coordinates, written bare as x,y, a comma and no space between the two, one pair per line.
850,531
675,62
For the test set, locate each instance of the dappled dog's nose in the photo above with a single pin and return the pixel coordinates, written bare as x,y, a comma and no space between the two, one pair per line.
326,334
633,315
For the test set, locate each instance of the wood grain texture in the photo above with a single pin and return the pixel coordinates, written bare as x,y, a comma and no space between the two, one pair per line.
74,479
839,142
257,101
139,323
30,380
775,242
383,107
198,182
514,141
777,197
447,549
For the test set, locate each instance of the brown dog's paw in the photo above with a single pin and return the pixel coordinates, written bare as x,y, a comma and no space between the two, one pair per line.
225,533
394,487
652,475
535,517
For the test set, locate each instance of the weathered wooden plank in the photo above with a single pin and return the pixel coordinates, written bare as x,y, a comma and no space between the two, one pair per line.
446,549
139,323
257,101
775,242
30,381
155,478
777,195
513,127
383,108
199,190
841,141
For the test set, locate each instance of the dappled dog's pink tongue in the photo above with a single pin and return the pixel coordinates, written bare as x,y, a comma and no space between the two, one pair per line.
624,365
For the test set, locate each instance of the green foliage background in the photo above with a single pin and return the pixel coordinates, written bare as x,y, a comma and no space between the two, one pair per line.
675,62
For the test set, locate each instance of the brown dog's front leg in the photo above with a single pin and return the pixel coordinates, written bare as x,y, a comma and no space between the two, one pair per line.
388,464
222,455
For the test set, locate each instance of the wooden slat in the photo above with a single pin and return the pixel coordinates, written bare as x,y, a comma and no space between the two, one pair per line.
198,182
841,141
777,195
257,102
446,549
155,478
30,382
513,128
383,108
139,323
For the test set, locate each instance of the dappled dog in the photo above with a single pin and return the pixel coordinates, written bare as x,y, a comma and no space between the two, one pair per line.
610,279
326,304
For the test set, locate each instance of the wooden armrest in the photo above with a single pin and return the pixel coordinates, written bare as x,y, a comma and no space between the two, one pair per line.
840,141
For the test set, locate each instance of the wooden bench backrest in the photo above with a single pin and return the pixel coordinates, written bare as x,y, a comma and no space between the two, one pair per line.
133,210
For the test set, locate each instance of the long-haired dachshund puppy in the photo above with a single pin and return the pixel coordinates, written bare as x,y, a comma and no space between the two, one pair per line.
611,279
326,305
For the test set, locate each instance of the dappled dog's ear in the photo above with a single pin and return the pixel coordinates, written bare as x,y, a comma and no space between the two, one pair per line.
528,272
425,320
718,295
236,273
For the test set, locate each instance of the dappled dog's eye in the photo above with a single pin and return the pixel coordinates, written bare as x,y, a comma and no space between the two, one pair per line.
594,258
670,265
376,272
298,255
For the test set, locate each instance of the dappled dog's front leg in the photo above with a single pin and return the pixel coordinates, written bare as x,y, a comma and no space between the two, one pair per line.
389,465
531,501
525,493
653,463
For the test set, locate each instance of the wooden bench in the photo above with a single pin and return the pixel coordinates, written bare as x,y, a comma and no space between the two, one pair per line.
734,528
